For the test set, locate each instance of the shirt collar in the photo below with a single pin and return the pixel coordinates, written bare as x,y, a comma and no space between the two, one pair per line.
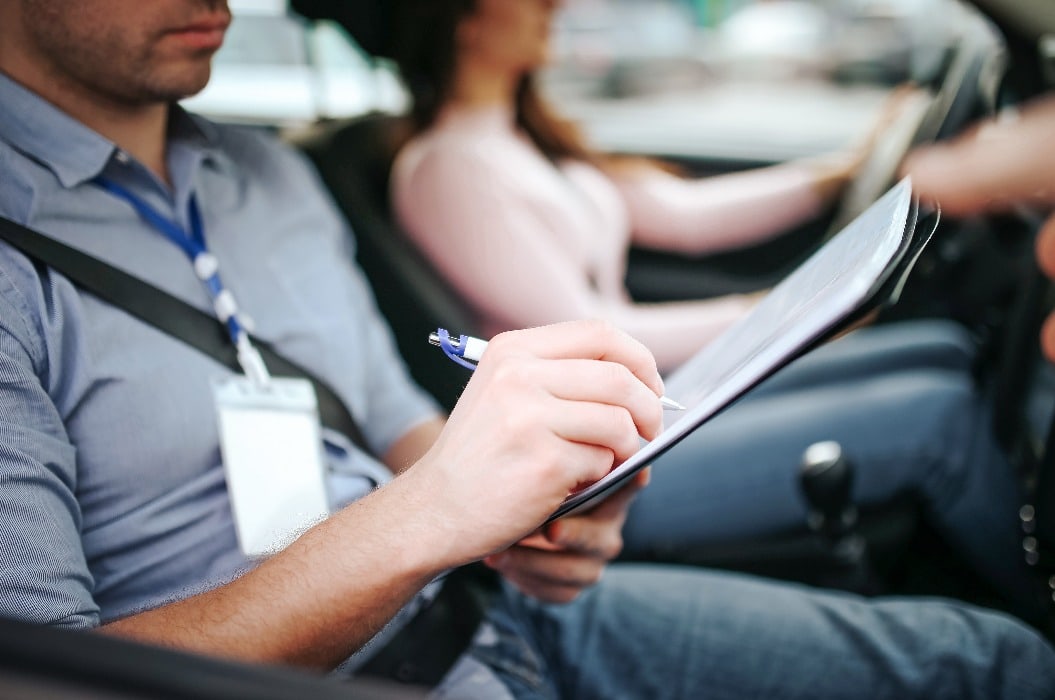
195,132
72,151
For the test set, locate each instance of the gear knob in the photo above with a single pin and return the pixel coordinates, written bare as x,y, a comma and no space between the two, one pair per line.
826,479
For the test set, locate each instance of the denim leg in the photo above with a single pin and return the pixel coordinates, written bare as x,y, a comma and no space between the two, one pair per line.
872,351
655,632
921,432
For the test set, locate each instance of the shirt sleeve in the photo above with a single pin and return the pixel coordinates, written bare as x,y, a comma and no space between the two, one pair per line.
470,219
704,215
396,403
43,572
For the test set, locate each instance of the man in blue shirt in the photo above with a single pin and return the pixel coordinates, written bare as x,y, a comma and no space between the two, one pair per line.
115,513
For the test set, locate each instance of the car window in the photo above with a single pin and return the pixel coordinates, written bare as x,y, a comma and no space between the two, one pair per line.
735,81
280,71
739,81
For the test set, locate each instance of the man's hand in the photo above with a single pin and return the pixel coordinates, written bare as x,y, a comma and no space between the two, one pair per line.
1046,261
570,554
995,166
547,410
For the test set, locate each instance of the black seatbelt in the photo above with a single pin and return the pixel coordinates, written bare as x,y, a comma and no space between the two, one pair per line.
171,315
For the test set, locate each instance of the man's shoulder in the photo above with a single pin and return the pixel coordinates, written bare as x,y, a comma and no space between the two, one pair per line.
17,273
22,301
15,187
248,144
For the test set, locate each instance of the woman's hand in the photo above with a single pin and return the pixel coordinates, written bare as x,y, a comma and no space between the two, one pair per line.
834,171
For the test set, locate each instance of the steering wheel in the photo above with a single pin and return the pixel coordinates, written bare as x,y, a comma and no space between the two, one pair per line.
923,117
879,169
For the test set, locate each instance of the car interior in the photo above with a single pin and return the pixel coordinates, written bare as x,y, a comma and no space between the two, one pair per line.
968,273
980,272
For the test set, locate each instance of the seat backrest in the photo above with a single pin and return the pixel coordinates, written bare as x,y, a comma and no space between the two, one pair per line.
354,159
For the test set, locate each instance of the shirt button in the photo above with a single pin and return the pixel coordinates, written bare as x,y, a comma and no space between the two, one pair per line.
123,158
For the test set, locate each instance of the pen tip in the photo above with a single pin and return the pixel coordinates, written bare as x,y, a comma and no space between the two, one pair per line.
671,404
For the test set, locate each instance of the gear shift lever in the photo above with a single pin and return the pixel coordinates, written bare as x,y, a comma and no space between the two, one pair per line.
826,479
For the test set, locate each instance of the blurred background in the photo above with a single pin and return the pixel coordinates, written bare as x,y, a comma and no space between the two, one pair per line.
736,81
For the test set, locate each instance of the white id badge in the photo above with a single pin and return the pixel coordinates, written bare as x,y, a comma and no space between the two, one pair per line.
272,455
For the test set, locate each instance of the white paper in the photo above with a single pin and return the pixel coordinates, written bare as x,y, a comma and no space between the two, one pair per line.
833,283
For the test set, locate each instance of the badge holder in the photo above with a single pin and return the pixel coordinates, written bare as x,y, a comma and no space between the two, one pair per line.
271,445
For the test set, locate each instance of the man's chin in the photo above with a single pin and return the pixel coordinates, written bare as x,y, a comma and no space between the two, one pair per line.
177,87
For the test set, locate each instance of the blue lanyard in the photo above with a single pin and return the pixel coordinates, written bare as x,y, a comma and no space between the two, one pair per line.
206,267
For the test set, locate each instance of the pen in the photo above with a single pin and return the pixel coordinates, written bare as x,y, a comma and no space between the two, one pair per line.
466,351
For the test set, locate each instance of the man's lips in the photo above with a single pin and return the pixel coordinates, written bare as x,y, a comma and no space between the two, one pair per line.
204,34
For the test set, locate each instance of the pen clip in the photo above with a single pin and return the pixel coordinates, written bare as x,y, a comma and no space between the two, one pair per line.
454,349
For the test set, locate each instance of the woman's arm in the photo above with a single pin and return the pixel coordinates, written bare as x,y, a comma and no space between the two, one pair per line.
696,216
501,253
706,215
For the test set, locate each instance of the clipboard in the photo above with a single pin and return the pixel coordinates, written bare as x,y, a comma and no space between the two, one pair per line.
862,268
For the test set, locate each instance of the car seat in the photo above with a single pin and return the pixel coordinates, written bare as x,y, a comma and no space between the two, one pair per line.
354,158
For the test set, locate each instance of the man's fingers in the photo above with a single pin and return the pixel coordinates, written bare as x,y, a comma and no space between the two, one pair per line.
615,506
598,424
991,166
587,391
1047,338
572,553
612,384
591,340
1046,259
1046,247
598,531
540,540
538,568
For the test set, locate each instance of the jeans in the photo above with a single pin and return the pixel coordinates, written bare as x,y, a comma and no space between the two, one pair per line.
901,401
656,631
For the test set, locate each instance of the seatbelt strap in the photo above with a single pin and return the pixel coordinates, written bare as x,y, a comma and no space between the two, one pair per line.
429,645
171,315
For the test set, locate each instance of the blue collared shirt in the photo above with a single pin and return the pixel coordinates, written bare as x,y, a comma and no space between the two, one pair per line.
112,493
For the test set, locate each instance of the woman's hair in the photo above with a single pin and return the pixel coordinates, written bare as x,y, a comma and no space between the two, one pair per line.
424,48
